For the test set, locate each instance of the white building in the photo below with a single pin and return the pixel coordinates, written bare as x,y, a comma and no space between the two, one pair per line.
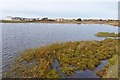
8,18
60,19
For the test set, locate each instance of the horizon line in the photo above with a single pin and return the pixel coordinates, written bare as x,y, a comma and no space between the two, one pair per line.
59,17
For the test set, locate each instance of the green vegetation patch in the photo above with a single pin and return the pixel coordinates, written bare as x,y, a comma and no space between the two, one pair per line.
107,34
72,56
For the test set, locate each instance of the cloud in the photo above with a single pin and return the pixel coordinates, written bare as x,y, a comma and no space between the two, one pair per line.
58,8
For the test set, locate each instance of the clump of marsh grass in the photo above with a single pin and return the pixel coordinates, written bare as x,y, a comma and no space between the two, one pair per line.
107,34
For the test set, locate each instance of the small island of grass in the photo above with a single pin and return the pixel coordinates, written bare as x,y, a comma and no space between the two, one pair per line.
107,34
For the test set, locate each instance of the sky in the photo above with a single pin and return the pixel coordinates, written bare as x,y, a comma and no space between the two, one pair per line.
99,9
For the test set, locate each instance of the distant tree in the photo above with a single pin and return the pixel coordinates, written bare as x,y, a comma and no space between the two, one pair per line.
34,20
100,20
79,19
45,18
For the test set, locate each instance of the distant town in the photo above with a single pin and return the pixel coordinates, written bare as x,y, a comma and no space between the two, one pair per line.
32,19
10,19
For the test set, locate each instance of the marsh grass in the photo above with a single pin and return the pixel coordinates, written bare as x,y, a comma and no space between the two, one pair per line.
107,34
72,56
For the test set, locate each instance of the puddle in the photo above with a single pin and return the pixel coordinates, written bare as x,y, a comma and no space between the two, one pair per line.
78,74
56,66
89,73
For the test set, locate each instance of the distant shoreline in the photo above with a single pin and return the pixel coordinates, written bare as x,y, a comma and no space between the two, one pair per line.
108,22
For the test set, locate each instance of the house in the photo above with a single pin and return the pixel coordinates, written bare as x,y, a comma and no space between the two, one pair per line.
22,19
8,18
16,18
60,19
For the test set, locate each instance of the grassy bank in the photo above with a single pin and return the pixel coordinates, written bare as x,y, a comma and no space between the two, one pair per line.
111,69
72,56
11,21
107,34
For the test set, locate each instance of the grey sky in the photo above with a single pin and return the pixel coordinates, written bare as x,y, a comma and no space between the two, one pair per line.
60,8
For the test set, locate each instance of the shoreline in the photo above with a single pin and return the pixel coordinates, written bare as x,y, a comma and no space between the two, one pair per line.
112,22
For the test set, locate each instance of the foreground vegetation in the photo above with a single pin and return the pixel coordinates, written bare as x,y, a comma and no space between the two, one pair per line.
107,34
72,56
111,68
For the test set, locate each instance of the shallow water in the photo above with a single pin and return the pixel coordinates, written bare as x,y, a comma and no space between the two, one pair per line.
78,74
89,73
20,36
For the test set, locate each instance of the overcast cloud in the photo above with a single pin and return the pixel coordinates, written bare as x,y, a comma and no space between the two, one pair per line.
60,8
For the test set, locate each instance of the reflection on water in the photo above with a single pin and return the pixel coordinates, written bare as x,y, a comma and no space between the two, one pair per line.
18,37
89,73
78,74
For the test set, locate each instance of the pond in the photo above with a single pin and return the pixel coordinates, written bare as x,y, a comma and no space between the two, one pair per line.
20,36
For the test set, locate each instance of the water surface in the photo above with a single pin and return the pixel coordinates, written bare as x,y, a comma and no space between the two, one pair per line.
20,36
